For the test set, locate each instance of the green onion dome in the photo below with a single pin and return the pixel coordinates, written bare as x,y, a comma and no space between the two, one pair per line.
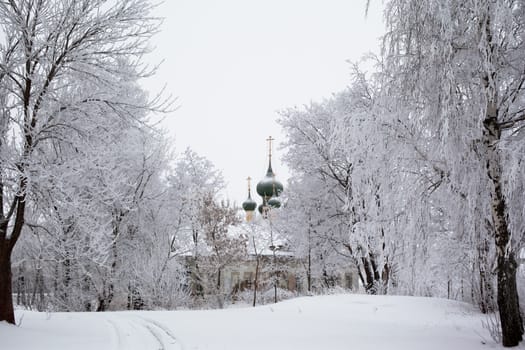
268,186
274,203
249,204
261,207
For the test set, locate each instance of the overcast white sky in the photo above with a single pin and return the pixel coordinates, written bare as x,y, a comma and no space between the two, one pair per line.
234,63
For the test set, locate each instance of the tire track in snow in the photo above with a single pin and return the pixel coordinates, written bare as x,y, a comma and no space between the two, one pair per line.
157,336
136,333
116,333
154,326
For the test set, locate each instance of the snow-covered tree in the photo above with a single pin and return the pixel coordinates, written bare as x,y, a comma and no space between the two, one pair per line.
202,223
337,148
64,66
222,248
459,68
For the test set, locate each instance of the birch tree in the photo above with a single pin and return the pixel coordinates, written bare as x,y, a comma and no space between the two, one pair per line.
460,66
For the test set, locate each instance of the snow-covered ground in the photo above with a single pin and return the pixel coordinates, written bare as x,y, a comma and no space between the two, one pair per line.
324,322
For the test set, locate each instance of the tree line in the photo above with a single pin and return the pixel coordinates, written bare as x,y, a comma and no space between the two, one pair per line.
415,171
94,206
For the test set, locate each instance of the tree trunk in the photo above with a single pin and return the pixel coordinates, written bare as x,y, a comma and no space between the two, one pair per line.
105,298
385,277
275,277
6,295
40,289
107,295
369,275
486,293
309,271
508,303
220,300
256,280
6,248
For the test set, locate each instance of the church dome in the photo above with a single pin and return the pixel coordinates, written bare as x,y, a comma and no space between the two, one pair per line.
274,203
249,204
269,186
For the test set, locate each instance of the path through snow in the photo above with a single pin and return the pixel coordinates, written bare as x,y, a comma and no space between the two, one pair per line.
310,323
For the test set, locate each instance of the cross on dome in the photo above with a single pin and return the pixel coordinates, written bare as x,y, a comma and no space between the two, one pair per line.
268,188
270,139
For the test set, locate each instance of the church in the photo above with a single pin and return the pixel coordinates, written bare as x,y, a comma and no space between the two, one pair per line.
270,269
